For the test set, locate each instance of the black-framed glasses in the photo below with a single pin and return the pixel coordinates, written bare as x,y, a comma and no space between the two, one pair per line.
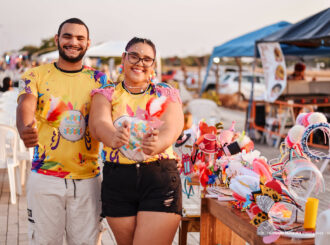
133,58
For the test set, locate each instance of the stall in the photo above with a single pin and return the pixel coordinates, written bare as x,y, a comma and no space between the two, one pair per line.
242,46
309,37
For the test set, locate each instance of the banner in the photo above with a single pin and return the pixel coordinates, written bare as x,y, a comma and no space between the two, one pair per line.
273,64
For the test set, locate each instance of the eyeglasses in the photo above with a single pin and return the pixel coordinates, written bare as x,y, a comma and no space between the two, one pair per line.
133,58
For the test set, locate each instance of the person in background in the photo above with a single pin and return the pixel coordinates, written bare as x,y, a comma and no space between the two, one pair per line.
6,84
64,187
299,72
141,196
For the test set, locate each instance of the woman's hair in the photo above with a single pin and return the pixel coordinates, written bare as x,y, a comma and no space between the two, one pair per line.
136,40
5,84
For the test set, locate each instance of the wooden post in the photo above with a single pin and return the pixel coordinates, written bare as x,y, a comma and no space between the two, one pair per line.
184,70
217,78
207,225
199,64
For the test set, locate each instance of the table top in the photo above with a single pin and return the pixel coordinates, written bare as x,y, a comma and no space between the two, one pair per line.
239,222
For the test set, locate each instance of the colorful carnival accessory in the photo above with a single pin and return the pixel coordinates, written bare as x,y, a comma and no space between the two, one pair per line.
121,69
312,153
153,77
140,124
301,177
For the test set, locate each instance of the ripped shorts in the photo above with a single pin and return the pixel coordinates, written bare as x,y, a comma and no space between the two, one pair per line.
130,188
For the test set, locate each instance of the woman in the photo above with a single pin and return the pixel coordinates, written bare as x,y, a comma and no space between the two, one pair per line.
141,189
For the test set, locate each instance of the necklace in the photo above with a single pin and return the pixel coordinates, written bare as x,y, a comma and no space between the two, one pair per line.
132,87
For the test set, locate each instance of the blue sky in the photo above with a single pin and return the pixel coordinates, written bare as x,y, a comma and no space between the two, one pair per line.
178,27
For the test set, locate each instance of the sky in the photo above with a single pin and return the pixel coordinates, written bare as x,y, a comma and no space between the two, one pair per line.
177,27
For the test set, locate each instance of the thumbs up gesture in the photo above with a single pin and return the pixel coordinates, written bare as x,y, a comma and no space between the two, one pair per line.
29,134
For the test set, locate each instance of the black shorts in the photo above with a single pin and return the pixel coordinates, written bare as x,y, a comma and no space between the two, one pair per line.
130,188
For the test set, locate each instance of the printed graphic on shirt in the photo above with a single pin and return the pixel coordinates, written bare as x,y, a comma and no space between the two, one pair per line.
65,148
121,100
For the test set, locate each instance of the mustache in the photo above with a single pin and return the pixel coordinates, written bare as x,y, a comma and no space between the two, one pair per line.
74,47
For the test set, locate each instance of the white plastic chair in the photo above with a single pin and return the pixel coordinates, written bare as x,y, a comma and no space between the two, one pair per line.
204,108
24,156
9,139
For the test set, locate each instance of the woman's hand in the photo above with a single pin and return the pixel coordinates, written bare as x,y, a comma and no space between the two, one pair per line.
149,142
121,135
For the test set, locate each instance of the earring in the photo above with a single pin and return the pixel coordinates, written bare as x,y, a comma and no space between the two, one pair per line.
120,69
153,77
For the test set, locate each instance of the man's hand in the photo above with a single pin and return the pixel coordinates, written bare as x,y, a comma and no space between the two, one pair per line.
29,135
149,142
121,136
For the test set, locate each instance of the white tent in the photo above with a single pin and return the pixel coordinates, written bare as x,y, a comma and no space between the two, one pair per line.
49,56
110,48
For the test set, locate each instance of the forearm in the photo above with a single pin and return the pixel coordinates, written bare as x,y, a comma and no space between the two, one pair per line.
166,138
171,129
103,132
24,113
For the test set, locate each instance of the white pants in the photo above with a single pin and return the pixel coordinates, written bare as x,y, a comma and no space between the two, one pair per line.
58,207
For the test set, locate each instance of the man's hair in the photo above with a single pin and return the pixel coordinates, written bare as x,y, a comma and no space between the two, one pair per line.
299,67
136,40
73,21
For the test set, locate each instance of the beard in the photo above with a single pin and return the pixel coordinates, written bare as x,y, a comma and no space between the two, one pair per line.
71,59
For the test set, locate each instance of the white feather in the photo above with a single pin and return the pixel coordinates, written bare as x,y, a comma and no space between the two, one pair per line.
156,105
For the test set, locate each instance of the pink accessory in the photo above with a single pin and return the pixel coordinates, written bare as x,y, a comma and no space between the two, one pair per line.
226,136
107,92
305,119
261,168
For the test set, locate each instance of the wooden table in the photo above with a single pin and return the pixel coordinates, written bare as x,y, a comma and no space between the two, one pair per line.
222,224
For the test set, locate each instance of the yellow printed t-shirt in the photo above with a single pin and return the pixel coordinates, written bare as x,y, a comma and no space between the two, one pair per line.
121,100
65,148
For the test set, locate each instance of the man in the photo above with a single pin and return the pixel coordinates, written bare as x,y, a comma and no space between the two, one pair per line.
63,191
298,73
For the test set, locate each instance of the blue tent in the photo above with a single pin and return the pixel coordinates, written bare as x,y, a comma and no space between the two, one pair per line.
243,46
308,37
311,32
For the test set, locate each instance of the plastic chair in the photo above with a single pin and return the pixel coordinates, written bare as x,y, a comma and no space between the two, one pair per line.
24,156
9,139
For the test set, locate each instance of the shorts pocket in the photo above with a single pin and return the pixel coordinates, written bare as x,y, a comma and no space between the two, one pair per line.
174,179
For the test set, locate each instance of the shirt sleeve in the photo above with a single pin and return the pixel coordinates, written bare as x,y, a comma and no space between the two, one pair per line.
164,89
107,92
28,83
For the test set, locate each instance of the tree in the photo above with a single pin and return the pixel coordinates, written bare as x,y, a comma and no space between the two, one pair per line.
47,43
30,49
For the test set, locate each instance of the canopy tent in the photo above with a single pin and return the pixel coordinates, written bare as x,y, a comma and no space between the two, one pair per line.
49,56
308,37
110,48
311,32
242,46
